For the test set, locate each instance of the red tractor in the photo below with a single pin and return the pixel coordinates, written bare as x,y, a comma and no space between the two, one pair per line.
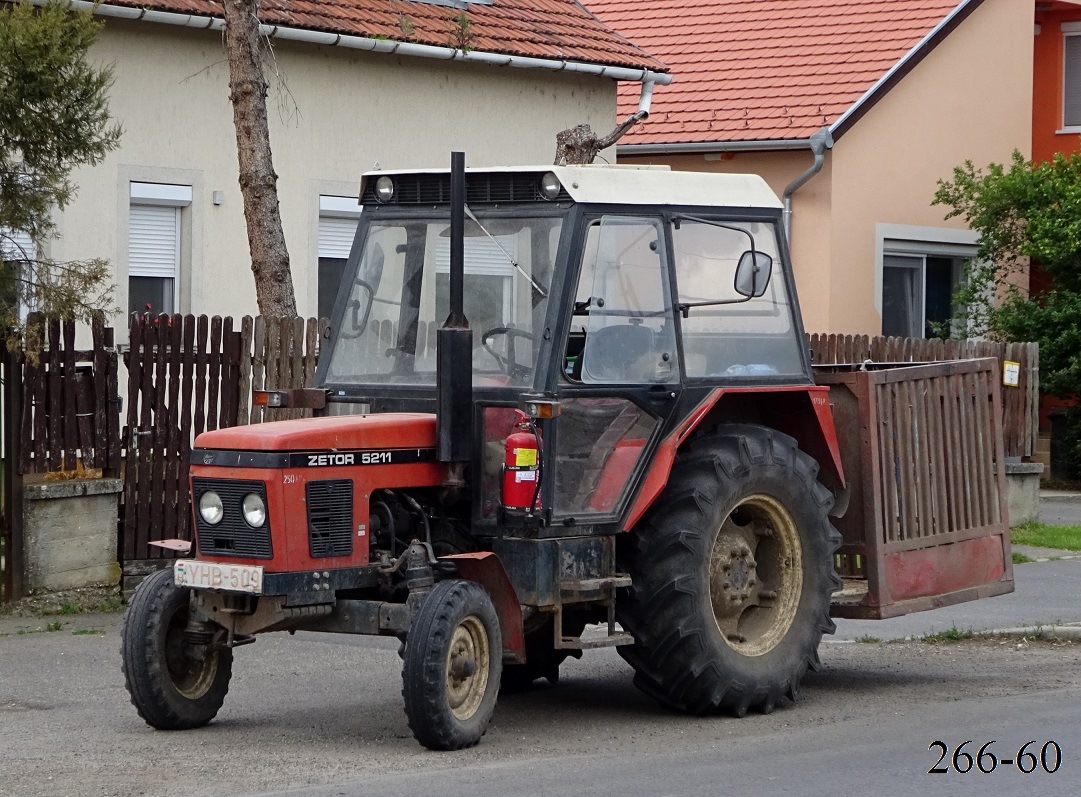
558,408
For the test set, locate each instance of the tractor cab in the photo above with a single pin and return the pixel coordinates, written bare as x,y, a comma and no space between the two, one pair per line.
604,304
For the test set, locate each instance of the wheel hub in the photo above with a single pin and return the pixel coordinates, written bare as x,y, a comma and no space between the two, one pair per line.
467,668
755,575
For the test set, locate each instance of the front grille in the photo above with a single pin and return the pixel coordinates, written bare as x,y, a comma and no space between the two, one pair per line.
480,187
232,536
330,518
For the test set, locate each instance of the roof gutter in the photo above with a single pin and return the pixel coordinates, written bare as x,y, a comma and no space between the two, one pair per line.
648,78
690,148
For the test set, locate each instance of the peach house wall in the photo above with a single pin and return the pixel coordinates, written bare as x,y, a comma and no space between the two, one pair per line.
969,99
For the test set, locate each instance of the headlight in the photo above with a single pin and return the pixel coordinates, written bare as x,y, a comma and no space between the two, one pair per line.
210,507
549,186
254,510
384,189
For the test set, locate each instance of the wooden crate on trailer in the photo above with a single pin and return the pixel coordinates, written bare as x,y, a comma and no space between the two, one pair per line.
923,454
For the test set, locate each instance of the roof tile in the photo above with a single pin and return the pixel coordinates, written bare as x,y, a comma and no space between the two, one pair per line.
557,29
769,69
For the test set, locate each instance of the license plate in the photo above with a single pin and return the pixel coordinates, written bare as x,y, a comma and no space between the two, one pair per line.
211,575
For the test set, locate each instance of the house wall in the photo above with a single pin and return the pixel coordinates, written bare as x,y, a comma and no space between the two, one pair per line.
968,99
1047,138
342,112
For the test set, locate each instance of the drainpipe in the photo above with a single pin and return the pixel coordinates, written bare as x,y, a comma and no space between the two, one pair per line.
820,142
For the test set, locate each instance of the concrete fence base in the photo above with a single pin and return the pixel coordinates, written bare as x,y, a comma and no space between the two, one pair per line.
70,532
1023,491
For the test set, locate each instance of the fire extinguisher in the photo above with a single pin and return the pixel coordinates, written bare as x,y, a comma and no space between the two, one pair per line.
521,470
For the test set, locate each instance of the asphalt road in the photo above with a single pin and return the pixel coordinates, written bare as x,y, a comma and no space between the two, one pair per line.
322,715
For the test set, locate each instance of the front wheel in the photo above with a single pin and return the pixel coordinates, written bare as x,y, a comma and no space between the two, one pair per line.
453,660
732,572
176,681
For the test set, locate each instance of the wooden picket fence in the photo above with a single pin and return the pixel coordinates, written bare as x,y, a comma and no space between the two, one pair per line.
187,375
68,419
1020,405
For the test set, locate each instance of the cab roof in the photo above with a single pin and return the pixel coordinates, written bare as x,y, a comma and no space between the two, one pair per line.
625,185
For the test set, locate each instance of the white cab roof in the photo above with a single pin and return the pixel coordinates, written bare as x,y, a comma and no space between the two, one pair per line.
638,185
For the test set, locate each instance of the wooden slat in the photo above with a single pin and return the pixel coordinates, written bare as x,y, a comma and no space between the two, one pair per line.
101,393
70,402
244,408
145,440
258,363
34,375
158,453
908,486
213,374
173,486
888,503
199,408
131,467
114,443
54,407
184,519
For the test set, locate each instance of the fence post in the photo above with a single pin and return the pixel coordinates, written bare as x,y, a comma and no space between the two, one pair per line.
13,481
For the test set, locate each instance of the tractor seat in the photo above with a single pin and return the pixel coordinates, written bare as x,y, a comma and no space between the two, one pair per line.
621,353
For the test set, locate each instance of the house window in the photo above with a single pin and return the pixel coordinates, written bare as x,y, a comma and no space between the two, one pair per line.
18,253
337,227
1071,75
917,292
489,279
154,238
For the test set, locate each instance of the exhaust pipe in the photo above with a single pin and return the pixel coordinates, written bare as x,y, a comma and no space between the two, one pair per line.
454,340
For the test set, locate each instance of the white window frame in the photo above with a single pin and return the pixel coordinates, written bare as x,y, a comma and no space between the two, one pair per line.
167,195
1069,30
904,240
17,246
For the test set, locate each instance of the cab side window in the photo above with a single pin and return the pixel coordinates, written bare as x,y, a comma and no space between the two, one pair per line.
622,329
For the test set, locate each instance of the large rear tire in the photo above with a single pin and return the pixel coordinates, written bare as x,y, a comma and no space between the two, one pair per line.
174,684
732,573
453,661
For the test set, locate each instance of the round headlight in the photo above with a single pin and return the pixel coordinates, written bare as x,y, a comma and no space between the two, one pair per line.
384,189
550,186
210,508
254,510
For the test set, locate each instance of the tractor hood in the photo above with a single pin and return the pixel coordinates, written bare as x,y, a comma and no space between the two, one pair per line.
344,432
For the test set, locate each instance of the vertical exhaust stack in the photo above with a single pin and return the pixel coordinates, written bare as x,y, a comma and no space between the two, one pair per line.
454,341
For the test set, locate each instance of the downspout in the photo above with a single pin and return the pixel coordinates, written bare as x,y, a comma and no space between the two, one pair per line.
820,141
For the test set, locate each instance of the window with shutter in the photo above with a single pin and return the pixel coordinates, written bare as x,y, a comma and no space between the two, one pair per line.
17,250
337,227
1071,81
154,246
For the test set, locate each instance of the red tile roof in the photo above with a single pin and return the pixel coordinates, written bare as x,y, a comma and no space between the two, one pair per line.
554,29
762,70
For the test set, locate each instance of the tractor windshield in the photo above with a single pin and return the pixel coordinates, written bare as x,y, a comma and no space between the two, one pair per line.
399,296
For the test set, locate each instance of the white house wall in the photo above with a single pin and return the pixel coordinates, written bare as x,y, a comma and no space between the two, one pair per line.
344,112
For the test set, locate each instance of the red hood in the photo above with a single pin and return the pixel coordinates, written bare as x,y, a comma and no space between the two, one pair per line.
342,432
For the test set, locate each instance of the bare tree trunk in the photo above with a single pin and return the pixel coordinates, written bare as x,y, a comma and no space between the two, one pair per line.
580,145
258,182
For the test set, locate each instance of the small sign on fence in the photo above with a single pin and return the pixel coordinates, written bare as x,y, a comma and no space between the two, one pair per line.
1011,373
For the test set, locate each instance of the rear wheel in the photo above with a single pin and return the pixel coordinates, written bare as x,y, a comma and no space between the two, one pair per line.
453,659
732,572
176,680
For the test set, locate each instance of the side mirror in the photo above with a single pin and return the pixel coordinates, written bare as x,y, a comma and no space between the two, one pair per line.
752,274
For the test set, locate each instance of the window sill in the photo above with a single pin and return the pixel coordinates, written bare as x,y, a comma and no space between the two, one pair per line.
1068,131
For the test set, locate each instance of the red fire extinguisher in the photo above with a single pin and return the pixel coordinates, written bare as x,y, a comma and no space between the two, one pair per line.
521,470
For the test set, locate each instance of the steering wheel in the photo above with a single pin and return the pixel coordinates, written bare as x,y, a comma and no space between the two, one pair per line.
507,364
